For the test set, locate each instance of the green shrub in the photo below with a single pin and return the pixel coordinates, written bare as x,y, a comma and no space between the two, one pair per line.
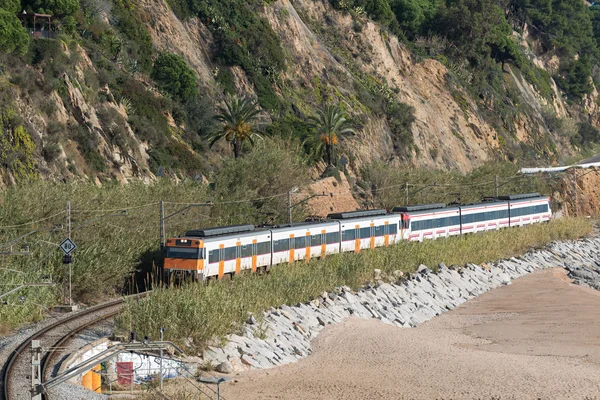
13,37
173,76
58,8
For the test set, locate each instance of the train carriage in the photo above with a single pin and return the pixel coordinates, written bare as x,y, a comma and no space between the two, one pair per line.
530,208
430,221
367,229
304,241
484,216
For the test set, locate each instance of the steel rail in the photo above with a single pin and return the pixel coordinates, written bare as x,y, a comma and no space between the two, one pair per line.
23,347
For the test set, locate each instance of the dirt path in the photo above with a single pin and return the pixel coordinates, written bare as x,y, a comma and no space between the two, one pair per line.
537,338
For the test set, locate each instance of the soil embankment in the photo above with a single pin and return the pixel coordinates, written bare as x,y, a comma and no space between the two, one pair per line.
536,338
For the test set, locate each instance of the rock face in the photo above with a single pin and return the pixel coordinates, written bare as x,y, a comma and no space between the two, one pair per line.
287,333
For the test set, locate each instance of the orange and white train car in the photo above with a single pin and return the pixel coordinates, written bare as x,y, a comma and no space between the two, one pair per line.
304,241
367,229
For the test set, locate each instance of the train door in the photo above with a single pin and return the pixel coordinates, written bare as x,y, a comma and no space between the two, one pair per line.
307,244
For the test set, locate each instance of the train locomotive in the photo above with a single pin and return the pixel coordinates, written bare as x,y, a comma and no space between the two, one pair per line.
224,251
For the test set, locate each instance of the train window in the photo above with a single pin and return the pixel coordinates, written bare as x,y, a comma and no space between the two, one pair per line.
281,245
315,240
332,237
213,256
300,242
263,248
185,253
349,234
230,253
393,228
365,232
380,230
246,250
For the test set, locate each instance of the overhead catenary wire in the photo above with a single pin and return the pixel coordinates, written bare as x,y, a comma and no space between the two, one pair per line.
117,209
33,222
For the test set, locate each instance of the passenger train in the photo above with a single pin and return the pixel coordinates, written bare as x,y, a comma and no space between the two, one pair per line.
224,251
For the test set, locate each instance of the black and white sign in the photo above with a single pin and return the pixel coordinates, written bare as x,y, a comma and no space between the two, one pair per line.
67,246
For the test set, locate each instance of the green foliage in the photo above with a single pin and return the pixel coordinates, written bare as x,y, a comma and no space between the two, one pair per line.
138,43
378,10
12,6
272,168
244,39
16,146
173,76
208,312
568,28
587,134
400,118
58,8
13,37
414,15
575,78
175,155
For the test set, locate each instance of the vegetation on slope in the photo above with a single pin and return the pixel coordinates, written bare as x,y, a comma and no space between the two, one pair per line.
205,312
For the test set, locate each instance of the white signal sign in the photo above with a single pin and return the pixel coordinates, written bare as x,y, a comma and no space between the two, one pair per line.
67,246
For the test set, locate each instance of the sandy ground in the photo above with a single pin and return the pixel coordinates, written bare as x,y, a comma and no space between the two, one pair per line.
538,338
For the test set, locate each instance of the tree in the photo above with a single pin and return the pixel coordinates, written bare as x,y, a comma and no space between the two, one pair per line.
172,75
58,8
13,6
13,37
237,117
330,124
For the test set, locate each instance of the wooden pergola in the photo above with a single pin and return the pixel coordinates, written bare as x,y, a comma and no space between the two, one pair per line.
44,21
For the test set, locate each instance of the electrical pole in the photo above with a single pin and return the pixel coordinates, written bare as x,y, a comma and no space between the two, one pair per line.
162,224
496,184
68,216
290,205
406,189
36,365
161,360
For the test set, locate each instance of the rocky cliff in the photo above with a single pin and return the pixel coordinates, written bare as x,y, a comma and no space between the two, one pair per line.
91,110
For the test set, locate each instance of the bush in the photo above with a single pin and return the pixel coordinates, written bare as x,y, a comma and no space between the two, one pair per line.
586,134
400,119
173,76
13,37
272,167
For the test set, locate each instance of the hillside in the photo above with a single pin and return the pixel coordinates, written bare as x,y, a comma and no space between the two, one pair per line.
127,89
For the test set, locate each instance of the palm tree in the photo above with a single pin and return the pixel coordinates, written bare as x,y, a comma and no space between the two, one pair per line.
237,117
330,124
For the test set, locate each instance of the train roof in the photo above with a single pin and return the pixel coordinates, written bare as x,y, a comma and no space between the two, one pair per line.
356,214
520,196
421,207
220,230
485,204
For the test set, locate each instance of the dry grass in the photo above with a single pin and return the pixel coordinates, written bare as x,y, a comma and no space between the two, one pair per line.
204,312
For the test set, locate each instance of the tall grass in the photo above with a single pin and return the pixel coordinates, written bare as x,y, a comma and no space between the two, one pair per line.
203,312
114,247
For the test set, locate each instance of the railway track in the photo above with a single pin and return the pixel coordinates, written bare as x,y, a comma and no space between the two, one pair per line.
17,370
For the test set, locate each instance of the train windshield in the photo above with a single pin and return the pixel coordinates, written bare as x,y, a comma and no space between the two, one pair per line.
184,252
